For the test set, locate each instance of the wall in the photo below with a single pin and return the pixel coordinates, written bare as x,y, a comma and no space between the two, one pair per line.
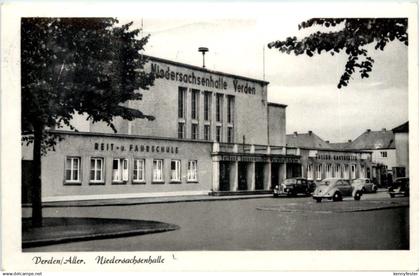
161,101
83,145
276,124
390,161
402,151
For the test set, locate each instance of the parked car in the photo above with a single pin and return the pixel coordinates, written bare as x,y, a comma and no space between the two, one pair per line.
312,186
292,187
400,187
336,189
368,185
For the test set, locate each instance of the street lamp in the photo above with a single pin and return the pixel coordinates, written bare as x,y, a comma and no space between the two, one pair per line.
203,50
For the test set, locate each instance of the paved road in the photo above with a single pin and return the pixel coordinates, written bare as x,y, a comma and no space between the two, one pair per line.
252,224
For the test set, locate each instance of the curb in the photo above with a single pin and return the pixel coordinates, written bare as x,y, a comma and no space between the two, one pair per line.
134,232
93,204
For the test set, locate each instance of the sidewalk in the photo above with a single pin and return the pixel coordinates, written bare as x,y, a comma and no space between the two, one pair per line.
70,229
146,200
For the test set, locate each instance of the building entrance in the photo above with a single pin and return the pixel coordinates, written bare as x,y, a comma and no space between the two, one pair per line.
275,178
259,176
294,170
242,176
224,176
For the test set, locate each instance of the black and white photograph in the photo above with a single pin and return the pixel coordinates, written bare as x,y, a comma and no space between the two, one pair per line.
226,128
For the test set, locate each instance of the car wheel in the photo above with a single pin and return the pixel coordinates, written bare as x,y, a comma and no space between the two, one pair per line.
337,197
357,196
392,195
318,200
375,189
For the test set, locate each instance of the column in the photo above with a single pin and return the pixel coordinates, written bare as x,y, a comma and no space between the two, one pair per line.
282,172
250,176
233,176
267,176
216,176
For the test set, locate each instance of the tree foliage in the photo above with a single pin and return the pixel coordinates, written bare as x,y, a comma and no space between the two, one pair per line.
73,66
351,38
69,66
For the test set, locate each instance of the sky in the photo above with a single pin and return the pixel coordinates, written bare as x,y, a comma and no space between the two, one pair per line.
307,85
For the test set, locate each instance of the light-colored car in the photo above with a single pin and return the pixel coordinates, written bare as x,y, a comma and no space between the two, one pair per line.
368,185
336,189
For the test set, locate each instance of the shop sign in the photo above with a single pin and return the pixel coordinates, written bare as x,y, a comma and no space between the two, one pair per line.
135,148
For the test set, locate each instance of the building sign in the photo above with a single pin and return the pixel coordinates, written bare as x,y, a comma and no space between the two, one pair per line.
336,157
208,82
135,148
247,158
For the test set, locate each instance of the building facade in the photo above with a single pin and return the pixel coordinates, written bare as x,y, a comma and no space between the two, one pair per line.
214,133
402,168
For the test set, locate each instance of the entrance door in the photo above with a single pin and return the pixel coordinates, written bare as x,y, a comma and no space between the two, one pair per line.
275,168
259,176
294,170
224,184
242,175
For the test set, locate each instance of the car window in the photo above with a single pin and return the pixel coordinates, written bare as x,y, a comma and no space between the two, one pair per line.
346,183
298,181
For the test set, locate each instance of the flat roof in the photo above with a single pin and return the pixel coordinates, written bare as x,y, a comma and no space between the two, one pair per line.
198,68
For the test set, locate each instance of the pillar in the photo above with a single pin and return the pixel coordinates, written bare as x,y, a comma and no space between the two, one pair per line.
267,176
216,176
233,176
282,172
250,176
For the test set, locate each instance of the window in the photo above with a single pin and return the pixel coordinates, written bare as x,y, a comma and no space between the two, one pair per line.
194,131
192,171
219,107
218,133
157,170
72,169
319,172
310,172
384,154
181,132
230,109
194,103
329,172
337,170
362,171
230,134
207,106
346,171
138,170
120,170
175,170
353,171
207,132
181,102
96,167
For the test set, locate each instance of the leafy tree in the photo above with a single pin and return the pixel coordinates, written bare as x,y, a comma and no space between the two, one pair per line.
71,66
352,38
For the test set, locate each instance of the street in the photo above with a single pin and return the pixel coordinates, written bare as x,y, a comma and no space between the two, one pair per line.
253,224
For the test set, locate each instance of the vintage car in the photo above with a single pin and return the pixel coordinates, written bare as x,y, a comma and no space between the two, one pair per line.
400,187
292,187
368,185
336,189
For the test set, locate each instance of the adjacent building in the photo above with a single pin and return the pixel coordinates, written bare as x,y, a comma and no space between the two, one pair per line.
402,168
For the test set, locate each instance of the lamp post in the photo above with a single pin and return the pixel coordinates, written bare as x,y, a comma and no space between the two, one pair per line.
203,50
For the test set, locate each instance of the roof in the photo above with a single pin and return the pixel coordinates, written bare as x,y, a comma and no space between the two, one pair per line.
401,128
382,139
306,140
198,68
340,146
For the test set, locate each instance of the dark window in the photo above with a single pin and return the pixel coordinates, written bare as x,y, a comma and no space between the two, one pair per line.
181,102
181,130
219,106
230,109
218,133
194,104
194,131
230,134
206,132
207,106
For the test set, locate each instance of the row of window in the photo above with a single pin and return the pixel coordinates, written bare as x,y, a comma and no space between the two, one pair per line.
207,115
120,170
337,170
